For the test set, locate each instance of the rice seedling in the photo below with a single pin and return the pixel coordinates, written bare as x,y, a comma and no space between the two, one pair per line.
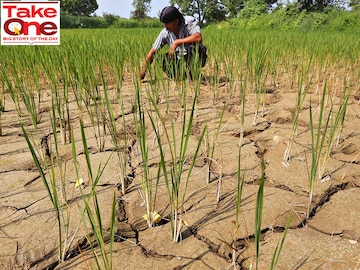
113,130
146,182
259,212
59,95
56,161
30,98
303,88
95,107
173,170
342,110
239,191
240,178
94,216
279,246
317,143
52,171
51,189
51,165
210,147
230,73
256,61
336,122
118,55
213,81
21,91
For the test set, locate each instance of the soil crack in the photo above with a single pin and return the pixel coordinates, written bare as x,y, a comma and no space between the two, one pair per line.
324,199
213,247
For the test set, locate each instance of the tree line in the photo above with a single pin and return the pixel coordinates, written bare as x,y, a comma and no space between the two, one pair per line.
209,11
246,14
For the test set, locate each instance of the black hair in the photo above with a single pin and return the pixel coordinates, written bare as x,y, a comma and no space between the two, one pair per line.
170,13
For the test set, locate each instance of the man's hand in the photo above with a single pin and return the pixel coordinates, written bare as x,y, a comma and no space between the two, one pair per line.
142,73
148,60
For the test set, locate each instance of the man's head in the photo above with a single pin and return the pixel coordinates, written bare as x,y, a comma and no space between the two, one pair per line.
170,14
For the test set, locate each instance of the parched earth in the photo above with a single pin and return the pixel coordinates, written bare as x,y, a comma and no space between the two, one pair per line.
328,239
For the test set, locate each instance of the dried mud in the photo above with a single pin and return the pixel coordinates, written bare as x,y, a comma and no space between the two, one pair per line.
329,239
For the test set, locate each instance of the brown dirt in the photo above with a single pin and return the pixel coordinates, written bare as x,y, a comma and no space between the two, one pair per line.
328,240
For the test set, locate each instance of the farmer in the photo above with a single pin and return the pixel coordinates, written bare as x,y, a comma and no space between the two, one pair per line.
182,34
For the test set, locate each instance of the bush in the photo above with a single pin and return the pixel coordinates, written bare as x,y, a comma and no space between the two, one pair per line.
288,18
108,20
344,21
253,8
69,21
132,23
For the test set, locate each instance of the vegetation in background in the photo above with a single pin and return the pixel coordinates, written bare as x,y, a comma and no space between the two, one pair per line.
208,11
288,18
142,7
79,7
107,20
250,14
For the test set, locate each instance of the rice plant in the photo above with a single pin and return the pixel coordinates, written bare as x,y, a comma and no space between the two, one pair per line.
52,192
256,61
240,177
336,121
303,88
318,137
259,212
59,95
52,170
173,170
146,180
94,216
280,245
340,116
114,131
210,148
23,91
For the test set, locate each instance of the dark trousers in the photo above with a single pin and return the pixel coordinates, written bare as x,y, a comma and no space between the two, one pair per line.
190,64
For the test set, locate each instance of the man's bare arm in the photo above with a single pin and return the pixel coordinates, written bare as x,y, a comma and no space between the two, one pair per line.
194,38
148,60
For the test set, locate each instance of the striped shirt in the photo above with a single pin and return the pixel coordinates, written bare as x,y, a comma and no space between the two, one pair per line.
190,27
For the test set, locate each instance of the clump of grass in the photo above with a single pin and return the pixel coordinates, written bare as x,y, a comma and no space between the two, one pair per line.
52,192
51,164
317,143
173,170
256,62
147,184
114,130
22,91
59,92
95,218
303,89
210,149
96,111
336,122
